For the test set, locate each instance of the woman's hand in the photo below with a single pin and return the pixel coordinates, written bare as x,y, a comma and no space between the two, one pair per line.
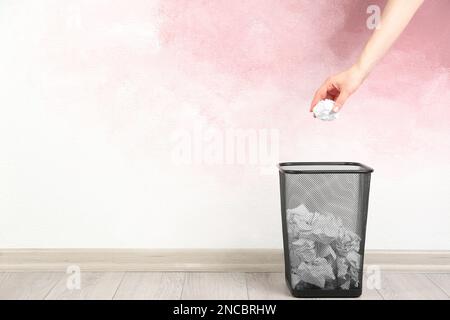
395,18
339,87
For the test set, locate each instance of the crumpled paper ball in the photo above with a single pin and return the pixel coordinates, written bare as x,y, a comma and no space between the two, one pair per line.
324,110
315,226
316,273
305,249
347,241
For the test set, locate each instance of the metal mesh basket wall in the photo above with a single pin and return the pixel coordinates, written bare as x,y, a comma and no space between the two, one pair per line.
324,213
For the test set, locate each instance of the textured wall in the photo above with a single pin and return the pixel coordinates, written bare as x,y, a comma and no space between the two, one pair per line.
93,95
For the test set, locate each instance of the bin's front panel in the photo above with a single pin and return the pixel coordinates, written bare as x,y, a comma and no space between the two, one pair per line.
325,223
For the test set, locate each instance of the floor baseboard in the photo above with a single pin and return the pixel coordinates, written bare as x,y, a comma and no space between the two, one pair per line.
200,260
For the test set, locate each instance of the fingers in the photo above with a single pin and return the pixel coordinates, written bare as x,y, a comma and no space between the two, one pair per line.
340,100
321,94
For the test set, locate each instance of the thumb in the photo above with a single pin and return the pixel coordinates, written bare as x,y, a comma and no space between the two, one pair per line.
340,100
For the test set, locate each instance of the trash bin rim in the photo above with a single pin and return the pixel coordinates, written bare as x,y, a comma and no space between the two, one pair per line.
362,167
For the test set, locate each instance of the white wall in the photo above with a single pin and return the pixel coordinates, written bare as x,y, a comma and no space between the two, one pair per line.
65,184
90,98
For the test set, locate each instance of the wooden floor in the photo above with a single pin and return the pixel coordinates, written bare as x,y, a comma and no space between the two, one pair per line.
172,285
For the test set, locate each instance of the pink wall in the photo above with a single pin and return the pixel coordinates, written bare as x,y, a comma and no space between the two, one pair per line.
94,90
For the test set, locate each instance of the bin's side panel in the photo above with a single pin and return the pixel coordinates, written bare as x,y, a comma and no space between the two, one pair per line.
364,183
331,212
287,263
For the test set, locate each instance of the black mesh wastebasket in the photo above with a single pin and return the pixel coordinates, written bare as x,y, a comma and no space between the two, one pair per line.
324,214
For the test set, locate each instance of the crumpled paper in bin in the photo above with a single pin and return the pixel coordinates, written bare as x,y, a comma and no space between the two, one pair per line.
342,267
305,250
316,272
315,226
322,252
347,241
325,250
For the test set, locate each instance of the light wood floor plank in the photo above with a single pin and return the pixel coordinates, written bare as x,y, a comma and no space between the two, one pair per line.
27,285
215,286
267,286
151,286
409,286
93,286
157,285
442,280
